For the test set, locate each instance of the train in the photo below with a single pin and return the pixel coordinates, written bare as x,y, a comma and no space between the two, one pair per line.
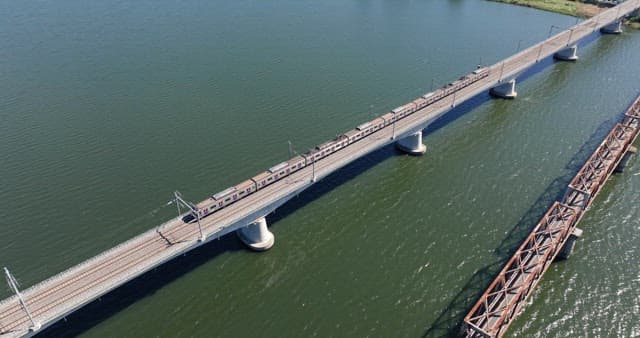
279,171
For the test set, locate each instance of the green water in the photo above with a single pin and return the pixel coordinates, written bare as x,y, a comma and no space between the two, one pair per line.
108,107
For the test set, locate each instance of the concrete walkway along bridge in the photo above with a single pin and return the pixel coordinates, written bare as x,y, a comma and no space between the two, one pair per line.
243,208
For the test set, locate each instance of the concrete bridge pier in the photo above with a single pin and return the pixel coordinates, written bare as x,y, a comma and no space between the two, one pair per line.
505,90
412,144
256,235
569,245
568,54
625,159
612,28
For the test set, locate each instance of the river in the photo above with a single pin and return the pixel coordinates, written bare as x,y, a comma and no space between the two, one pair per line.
108,107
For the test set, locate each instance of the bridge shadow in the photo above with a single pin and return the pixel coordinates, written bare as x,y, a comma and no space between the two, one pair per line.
448,323
147,284
143,286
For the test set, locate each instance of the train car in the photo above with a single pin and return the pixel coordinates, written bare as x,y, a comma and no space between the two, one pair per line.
226,197
389,118
420,103
354,135
434,96
330,147
429,96
206,207
246,188
403,111
296,163
377,124
343,141
262,180
481,72
312,155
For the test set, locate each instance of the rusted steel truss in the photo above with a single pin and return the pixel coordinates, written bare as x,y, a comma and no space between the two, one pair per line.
493,313
501,302
599,166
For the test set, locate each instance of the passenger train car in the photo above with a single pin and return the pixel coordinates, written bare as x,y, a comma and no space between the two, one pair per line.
284,169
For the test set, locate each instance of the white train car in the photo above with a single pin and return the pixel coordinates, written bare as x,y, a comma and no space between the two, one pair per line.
419,103
376,125
246,188
389,118
354,135
263,179
405,110
296,163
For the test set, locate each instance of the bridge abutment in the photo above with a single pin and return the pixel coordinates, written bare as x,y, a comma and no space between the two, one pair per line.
568,54
412,144
569,245
256,235
612,28
506,90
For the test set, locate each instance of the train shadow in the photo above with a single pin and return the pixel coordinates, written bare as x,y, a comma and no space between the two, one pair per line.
448,323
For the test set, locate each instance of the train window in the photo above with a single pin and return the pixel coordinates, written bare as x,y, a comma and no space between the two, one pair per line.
241,193
227,199
248,190
263,182
220,204
270,178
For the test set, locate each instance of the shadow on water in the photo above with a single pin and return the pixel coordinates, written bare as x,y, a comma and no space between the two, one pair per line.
449,322
147,284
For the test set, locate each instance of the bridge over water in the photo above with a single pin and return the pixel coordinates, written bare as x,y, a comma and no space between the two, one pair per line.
30,311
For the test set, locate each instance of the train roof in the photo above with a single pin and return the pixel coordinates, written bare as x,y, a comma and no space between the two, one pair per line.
242,185
296,159
377,120
480,70
279,166
326,144
261,175
224,193
387,116
204,203
351,132
364,126
397,109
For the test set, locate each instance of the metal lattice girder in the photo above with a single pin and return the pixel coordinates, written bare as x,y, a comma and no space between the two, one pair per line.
599,165
501,302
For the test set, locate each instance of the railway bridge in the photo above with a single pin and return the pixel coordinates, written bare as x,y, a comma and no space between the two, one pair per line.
30,311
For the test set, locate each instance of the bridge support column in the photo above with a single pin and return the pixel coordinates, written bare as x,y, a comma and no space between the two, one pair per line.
412,144
568,54
256,235
612,28
569,245
506,90
625,159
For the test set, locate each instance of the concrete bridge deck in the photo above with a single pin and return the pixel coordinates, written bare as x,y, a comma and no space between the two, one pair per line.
68,291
